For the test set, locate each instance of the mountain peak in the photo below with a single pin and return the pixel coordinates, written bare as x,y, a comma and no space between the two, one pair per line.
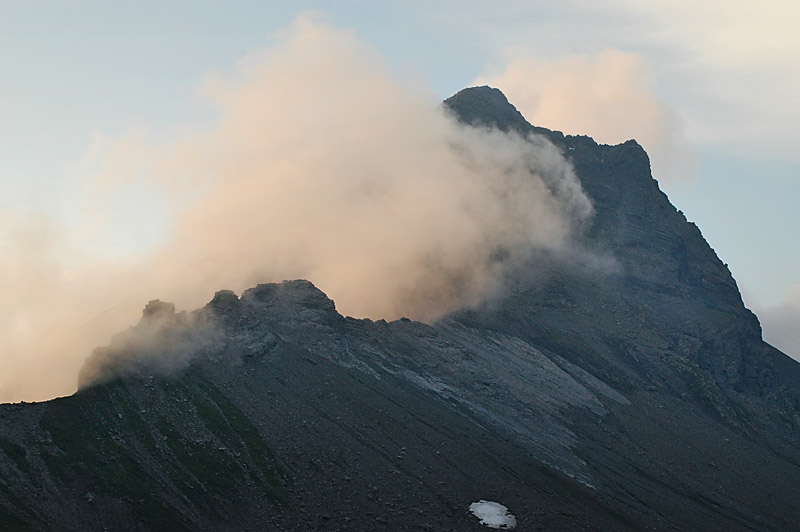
156,309
486,106
298,292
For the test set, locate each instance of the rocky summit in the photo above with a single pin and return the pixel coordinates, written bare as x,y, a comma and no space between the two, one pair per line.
625,387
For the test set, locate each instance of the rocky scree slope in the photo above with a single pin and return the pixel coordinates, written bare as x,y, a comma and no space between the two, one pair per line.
628,394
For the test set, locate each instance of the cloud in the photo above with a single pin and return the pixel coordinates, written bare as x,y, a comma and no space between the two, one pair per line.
607,96
162,342
743,34
734,71
731,74
322,166
781,323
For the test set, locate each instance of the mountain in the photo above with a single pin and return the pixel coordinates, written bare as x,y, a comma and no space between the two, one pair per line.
625,387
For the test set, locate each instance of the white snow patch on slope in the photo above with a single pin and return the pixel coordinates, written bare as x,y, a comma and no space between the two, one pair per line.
493,514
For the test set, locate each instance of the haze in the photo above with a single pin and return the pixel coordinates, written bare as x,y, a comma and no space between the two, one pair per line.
321,166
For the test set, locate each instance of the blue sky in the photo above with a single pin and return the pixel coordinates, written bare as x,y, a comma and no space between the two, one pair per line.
724,74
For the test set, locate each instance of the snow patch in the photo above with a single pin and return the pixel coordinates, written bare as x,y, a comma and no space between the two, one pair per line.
493,514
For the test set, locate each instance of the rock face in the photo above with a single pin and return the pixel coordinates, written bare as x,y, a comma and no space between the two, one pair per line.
624,388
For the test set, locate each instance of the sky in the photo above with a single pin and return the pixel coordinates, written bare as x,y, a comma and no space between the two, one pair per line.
710,89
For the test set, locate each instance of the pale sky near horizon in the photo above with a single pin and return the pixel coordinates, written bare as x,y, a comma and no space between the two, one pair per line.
724,78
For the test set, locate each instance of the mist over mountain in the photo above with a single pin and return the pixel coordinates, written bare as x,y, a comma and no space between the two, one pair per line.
320,165
615,383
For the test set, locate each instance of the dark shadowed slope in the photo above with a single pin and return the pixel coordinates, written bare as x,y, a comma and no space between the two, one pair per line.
670,316
622,387
669,281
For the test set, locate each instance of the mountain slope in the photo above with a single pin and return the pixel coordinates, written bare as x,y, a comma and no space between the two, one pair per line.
302,420
671,313
622,387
